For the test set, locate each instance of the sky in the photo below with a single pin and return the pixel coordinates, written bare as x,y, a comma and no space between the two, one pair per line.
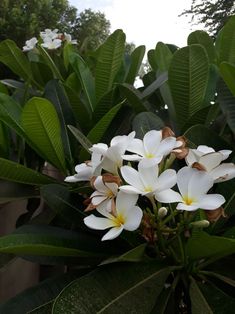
145,22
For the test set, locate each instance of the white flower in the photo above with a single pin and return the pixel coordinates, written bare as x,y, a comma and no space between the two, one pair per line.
210,160
84,173
112,156
30,44
48,34
128,216
146,181
104,195
51,43
152,148
193,187
69,39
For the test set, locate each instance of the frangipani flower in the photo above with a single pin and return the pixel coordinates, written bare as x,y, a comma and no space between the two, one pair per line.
210,161
152,148
193,187
112,156
84,173
30,44
51,43
146,181
104,195
128,216
48,34
68,38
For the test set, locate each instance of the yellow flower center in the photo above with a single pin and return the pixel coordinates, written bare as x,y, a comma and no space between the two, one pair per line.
149,155
109,194
188,200
119,220
148,189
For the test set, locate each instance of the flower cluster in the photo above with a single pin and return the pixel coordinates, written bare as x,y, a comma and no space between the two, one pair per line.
49,39
131,168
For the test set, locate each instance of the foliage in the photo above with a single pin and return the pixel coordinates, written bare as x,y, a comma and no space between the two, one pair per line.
62,103
213,14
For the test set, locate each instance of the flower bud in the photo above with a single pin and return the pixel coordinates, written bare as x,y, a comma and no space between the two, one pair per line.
162,212
167,132
200,224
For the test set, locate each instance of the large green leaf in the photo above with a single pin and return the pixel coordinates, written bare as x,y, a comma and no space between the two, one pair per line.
199,304
12,171
145,122
4,140
109,60
41,123
201,245
163,56
86,79
11,191
227,71
226,102
161,79
226,42
54,91
32,298
188,80
48,241
136,59
14,58
121,288
82,139
202,38
63,203
134,97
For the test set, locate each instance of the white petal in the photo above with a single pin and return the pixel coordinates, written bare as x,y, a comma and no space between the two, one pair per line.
125,201
109,165
131,176
191,157
98,199
182,206
166,180
98,223
168,196
223,172
205,149
105,208
150,162
211,160
100,186
148,176
133,218
167,145
112,187
225,153
133,157
100,148
112,233
199,184
130,189
73,179
211,201
152,141
136,146
183,177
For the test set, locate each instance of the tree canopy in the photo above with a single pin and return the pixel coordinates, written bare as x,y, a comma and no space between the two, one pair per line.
213,14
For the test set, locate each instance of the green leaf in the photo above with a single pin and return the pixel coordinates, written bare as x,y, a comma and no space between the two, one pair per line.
61,201
55,93
86,79
67,51
198,302
14,58
226,102
44,240
201,135
188,80
227,189
128,288
12,171
3,88
4,141
155,85
50,63
109,61
134,97
163,56
10,191
227,71
226,42
135,63
40,121
225,279
32,298
202,245
152,59
198,118
202,38
10,113
82,139
146,121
